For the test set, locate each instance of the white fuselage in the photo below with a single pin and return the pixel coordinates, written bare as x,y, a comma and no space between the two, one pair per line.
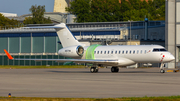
122,55
136,53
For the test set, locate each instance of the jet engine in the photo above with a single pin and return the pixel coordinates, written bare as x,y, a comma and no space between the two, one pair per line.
72,51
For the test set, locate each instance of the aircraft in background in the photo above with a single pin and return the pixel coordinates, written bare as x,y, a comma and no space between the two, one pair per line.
101,56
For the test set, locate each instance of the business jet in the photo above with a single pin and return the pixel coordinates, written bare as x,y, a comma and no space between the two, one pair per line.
114,56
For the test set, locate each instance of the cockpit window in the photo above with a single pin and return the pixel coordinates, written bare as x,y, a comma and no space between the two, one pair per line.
163,49
155,50
159,50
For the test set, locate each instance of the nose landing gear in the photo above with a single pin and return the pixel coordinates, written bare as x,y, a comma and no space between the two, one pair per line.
162,68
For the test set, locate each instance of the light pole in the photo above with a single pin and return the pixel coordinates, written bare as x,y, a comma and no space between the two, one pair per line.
130,30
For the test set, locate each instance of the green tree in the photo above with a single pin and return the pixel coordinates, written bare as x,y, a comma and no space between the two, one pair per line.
105,10
7,23
136,15
112,10
80,8
95,10
159,13
37,16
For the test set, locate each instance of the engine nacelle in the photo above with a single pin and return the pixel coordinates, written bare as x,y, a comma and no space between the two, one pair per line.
72,51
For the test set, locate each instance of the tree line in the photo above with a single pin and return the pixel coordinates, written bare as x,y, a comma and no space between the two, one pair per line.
7,23
113,10
37,18
98,11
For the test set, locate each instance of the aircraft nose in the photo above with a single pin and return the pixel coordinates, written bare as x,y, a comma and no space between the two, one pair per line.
171,57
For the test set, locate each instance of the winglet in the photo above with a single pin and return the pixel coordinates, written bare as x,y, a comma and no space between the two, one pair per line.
8,55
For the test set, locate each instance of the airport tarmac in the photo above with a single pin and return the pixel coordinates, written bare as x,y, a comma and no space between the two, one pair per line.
80,83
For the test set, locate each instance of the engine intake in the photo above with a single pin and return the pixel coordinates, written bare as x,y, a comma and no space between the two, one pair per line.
72,51
80,50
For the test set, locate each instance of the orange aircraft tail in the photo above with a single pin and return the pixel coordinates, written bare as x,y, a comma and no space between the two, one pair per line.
8,55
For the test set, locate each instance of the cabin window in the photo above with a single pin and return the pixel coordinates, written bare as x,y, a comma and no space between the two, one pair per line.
104,52
134,52
145,52
94,52
137,51
108,52
116,52
97,52
111,52
126,52
122,52
129,52
101,52
119,52
141,51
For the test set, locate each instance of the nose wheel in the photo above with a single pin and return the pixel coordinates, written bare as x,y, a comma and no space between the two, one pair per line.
162,71
162,68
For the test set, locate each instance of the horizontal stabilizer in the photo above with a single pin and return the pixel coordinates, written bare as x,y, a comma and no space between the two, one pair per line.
59,26
8,55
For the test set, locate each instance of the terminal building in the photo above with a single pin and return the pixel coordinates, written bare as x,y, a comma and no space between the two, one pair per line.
44,43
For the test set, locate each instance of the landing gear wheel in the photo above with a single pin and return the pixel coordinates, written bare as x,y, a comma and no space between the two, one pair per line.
96,70
93,70
114,69
162,71
117,69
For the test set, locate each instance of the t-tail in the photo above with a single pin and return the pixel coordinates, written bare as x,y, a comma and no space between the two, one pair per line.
65,36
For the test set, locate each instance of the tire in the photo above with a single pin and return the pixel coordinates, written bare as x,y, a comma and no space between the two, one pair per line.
162,71
114,69
117,69
92,69
96,70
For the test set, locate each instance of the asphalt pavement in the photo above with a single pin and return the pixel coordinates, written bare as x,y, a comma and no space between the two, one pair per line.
80,83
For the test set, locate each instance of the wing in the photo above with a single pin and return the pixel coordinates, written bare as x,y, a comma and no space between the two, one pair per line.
109,62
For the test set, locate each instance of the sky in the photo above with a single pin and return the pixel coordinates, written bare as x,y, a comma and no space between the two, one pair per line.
21,7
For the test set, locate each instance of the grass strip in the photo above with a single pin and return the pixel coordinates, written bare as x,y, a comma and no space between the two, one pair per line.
39,67
168,98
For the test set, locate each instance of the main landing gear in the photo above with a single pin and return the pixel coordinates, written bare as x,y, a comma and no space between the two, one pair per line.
162,68
94,69
114,69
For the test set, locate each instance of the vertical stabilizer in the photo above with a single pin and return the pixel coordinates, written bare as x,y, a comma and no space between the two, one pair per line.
66,37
